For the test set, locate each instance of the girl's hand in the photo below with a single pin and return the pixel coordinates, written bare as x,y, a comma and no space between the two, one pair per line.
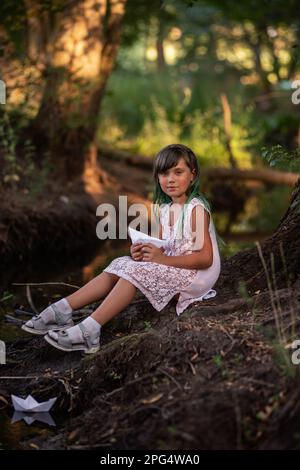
152,253
135,251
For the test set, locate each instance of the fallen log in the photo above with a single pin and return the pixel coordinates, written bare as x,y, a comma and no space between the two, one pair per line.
264,175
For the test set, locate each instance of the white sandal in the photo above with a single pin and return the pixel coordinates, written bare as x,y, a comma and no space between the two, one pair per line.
40,327
89,345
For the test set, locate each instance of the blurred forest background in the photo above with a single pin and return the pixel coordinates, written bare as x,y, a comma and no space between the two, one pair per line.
90,90
88,77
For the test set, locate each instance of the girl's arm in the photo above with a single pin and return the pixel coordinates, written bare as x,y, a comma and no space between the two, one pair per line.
202,258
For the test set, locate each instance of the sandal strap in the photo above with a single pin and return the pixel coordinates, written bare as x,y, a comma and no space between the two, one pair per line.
38,322
86,335
63,338
60,318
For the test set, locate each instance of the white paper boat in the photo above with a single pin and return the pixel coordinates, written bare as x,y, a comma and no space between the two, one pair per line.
30,404
137,236
43,417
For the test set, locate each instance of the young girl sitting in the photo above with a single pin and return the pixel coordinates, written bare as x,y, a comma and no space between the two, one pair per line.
186,269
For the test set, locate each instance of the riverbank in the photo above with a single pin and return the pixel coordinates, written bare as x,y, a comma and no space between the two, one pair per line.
218,377
214,378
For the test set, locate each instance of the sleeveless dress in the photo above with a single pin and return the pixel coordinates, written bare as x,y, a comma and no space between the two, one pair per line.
160,283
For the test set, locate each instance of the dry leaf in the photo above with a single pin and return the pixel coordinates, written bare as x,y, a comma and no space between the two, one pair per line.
73,434
154,399
193,368
34,446
194,357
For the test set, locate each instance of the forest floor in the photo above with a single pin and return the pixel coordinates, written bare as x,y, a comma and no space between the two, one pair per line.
219,376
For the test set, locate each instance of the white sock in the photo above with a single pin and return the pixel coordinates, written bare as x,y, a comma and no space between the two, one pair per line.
75,333
48,314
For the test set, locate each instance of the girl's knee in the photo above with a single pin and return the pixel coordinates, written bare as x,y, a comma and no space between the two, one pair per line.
114,277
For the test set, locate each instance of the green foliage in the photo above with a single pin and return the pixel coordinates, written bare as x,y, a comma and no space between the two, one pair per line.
144,112
14,18
258,11
243,292
6,296
148,325
8,142
270,207
218,360
19,170
277,156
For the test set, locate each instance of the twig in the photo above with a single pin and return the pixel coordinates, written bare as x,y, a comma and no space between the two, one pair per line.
18,311
43,284
260,382
291,300
270,291
277,297
127,384
17,377
11,319
29,298
89,446
170,377
271,320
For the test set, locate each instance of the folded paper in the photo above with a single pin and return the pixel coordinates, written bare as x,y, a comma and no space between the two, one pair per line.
30,418
137,236
31,405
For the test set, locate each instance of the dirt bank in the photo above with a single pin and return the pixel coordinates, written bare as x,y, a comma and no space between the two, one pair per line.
213,378
217,377
62,218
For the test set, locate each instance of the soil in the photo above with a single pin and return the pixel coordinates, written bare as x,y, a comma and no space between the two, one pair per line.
217,377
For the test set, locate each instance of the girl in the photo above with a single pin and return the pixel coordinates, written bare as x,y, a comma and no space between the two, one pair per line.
187,268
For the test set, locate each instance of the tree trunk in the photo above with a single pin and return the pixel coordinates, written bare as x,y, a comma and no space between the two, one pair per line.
255,44
79,58
227,129
280,253
161,62
263,175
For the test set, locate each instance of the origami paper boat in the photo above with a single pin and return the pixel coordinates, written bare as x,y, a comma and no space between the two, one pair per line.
43,417
136,236
31,405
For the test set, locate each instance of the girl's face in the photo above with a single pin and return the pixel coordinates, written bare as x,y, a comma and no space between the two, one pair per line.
176,180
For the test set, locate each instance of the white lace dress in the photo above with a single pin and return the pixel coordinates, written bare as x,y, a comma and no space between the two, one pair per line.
160,283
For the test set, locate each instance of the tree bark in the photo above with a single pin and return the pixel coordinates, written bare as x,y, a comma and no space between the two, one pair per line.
280,253
227,129
79,58
265,175
161,62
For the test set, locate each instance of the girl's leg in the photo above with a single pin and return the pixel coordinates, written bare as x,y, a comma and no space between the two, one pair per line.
86,335
116,301
95,289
